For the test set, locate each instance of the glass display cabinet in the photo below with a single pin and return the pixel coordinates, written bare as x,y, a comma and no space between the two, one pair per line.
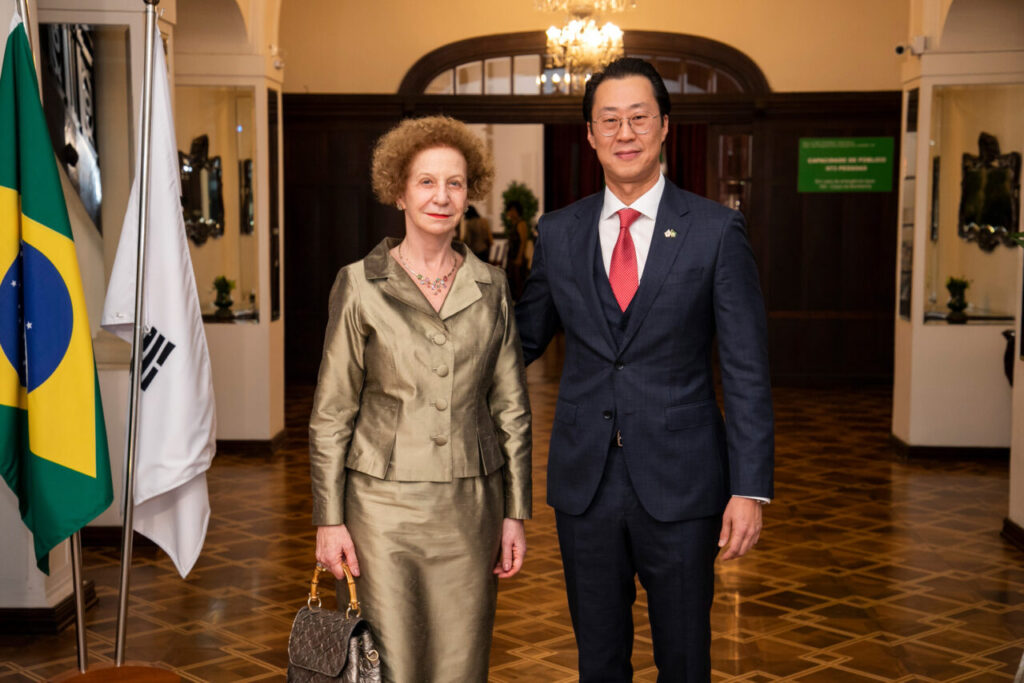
959,270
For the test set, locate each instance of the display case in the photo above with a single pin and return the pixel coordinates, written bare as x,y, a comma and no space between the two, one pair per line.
973,163
958,269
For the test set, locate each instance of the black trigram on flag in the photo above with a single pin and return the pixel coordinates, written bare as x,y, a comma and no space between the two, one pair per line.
155,347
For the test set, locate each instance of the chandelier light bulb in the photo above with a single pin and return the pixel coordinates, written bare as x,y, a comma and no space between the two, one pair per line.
584,6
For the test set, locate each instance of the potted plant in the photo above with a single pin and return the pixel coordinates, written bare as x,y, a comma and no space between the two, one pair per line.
957,287
223,301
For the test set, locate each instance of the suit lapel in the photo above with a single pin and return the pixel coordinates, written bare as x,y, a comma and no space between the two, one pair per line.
585,237
465,290
670,231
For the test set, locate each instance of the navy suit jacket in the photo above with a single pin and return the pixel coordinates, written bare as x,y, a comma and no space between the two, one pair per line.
656,385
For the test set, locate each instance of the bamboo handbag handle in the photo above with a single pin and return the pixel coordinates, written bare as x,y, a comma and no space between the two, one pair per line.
314,597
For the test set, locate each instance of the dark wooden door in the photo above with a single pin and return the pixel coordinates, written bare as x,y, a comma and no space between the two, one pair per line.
827,260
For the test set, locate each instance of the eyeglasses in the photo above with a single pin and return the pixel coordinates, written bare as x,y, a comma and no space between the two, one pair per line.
610,125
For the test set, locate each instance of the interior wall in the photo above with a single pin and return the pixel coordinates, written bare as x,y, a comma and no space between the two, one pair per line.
1016,511
961,113
968,24
114,109
213,27
812,45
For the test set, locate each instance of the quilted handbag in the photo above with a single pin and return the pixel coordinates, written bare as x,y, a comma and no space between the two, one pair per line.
330,645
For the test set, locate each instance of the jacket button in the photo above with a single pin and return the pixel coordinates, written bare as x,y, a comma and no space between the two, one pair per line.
439,339
441,371
440,404
607,414
440,440
619,365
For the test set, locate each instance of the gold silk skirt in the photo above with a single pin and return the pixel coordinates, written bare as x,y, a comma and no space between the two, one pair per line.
426,553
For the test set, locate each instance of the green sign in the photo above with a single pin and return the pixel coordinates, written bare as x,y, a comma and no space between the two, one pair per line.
845,165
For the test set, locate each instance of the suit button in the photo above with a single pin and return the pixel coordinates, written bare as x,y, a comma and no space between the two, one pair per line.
439,339
441,371
440,440
619,365
440,404
607,414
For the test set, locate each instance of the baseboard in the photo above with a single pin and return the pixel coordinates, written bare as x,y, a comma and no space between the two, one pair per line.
110,537
907,452
260,447
45,620
1013,532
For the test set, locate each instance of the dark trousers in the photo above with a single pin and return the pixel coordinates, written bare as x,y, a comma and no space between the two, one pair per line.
615,540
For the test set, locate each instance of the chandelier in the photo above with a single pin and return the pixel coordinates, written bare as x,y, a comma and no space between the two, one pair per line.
582,47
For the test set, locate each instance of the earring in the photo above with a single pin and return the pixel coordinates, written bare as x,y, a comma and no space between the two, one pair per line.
399,205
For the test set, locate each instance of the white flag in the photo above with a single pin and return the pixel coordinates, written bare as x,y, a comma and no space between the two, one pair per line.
176,435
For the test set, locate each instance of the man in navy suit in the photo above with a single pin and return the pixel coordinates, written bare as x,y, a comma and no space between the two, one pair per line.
645,476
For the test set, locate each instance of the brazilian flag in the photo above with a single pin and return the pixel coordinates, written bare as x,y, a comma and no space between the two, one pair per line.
53,445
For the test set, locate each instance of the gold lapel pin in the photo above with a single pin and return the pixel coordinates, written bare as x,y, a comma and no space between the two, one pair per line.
670,233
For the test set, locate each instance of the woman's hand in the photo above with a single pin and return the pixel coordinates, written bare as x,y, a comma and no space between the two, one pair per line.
513,548
334,546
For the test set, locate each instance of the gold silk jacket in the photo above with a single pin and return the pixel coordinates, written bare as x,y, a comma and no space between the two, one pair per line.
409,394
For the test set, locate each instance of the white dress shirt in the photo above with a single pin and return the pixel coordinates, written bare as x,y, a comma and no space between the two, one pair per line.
642,231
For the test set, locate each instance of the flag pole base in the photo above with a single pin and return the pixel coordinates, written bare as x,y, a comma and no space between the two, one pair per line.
129,673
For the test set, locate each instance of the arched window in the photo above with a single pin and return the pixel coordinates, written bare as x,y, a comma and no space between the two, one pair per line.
515,64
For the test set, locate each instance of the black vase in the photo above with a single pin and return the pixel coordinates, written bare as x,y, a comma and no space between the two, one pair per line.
223,303
956,315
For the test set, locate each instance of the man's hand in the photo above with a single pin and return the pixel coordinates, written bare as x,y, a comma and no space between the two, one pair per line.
513,548
333,546
741,527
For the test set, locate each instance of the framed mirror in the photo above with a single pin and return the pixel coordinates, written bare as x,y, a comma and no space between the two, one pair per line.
218,184
202,201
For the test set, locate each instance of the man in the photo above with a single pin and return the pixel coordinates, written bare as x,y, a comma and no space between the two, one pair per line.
645,477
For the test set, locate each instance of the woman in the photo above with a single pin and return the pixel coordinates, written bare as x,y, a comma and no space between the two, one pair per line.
420,433
477,235
517,246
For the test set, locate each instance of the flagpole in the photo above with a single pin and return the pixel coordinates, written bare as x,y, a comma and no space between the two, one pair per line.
133,403
76,576
23,11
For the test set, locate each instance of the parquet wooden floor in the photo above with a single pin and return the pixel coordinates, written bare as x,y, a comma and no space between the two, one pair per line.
869,569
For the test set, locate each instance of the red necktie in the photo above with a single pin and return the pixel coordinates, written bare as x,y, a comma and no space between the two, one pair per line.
622,271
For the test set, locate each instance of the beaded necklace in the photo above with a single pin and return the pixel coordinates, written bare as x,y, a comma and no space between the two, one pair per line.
433,285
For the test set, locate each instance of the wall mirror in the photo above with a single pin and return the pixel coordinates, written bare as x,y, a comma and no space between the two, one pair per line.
218,187
202,201
968,185
76,59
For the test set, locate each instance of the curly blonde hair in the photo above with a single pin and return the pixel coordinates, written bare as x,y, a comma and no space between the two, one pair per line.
396,149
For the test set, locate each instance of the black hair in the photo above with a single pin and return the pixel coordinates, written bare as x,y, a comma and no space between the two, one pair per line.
515,204
472,213
623,68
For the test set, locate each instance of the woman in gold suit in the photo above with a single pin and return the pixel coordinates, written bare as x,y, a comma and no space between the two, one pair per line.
420,433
